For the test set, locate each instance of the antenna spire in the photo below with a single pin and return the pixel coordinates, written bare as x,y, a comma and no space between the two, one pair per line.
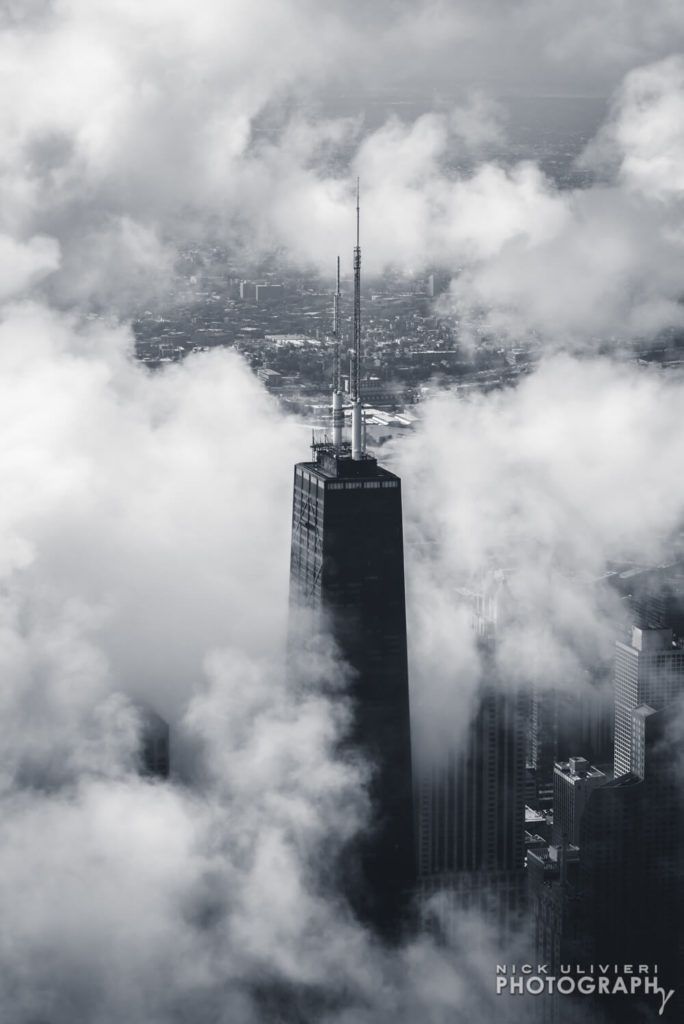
355,384
337,414
356,389
337,334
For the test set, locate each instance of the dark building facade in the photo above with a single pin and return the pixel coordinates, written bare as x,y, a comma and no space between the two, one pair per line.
554,901
556,906
472,805
610,891
471,810
574,781
631,857
560,723
154,752
542,744
655,597
471,814
347,565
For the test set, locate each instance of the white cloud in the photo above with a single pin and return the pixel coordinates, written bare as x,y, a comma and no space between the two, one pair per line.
144,534
551,480
138,130
607,265
23,264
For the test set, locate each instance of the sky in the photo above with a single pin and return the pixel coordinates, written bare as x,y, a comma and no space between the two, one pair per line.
144,527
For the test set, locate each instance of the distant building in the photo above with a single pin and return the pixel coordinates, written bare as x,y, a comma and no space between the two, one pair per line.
271,378
538,823
648,670
574,781
154,744
631,868
562,721
266,293
616,895
542,744
554,900
559,722
379,392
437,284
472,806
609,888
248,291
292,340
655,596
471,810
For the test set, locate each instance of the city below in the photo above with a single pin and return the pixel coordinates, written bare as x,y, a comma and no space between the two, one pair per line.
280,322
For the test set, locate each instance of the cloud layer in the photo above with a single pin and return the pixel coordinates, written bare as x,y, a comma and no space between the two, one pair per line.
551,481
604,266
144,526
140,131
144,538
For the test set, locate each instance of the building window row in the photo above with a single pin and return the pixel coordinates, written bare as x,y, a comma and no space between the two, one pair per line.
352,485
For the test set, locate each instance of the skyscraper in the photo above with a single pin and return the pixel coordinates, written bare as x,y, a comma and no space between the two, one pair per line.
471,813
654,597
555,904
609,888
649,670
154,743
631,855
562,721
573,782
347,565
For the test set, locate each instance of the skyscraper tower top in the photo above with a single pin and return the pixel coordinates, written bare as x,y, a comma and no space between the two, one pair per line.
347,573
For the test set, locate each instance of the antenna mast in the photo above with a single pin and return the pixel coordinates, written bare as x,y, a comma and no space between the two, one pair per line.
355,390
336,381
355,383
337,414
